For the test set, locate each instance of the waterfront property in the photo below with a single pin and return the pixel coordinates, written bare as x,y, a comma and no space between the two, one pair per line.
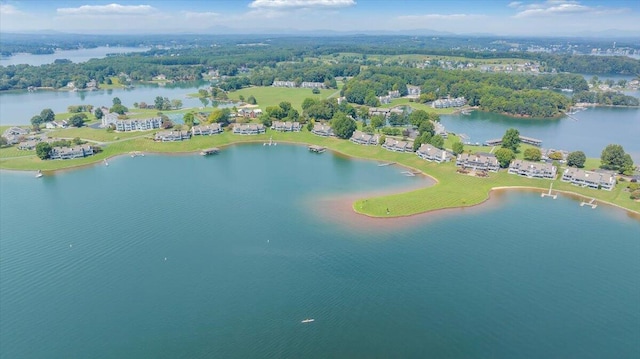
317,149
523,139
284,84
440,129
250,112
533,169
28,145
111,119
66,153
432,154
478,161
206,130
362,138
596,180
56,124
386,112
413,91
172,136
14,134
322,130
281,126
312,85
248,129
394,145
449,102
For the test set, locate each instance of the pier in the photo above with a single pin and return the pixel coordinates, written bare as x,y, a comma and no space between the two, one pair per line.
136,154
528,140
548,194
317,149
386,164
209,151
591,203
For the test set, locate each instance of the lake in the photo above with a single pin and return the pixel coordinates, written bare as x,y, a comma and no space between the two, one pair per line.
17,108
80,55
223,256
594,129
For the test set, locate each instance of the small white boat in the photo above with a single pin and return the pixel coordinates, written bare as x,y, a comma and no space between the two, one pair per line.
308,320
38,174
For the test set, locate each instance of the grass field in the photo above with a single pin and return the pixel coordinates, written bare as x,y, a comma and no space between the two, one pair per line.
452,189
272,96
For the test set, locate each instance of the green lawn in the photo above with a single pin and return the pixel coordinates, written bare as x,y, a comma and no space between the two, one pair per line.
272,96
452,189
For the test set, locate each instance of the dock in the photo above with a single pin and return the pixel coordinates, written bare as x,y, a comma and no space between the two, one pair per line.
549,194
209,151
317,149
136,154
529,140
591,203
386,164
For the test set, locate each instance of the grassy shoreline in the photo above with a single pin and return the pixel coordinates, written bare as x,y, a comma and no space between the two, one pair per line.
451,189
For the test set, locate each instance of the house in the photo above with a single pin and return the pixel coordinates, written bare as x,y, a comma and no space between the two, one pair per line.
595,180
66,153
478,161
394,94
533,169
160,77
322,130
109,118
284,84
362,138
286,126
449,102
206,130
56,124
14,134
138,125
376,111
432,154
312,85
413,91
28,145
384,99
172,136
249,129
394,145
440,129
341,100
250,112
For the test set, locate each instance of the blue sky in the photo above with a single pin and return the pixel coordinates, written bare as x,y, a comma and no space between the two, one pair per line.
526,17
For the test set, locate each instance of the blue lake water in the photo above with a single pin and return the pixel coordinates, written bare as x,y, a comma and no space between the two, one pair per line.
81,55
593,130
223,256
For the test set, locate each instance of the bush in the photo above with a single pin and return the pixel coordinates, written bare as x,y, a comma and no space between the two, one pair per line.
635,195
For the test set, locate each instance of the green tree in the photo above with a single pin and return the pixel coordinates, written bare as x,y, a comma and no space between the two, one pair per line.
159,103
614,158
47,115
241,98
532,154
308,102
504,156
576,159
437,141
417,117
116,101
43,150
427,127
3,141
189,119
98,113
219,115
511,140
119,109
377,121
556,156
343,126
457,148
265,119
176,104
37,120
252,100
77,120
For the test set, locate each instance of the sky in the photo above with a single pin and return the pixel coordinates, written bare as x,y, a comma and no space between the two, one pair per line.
498,17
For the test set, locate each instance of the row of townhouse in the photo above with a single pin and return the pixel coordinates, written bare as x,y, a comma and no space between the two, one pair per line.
449,102
306,84
394,145
596,180
138,125
366,139
433,154
206,130
14,134
249,129
533,169
478,161
286,126
66,153
386,112
250,112
322,130
172,136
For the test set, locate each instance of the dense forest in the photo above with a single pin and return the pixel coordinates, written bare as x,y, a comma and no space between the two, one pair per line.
606,98
521,95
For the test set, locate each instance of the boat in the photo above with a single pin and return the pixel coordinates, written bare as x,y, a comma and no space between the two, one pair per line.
308,320
38,174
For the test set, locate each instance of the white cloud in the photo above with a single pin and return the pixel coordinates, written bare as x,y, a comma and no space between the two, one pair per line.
515,4
559,7
110,9
441,17
6,9
296,4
